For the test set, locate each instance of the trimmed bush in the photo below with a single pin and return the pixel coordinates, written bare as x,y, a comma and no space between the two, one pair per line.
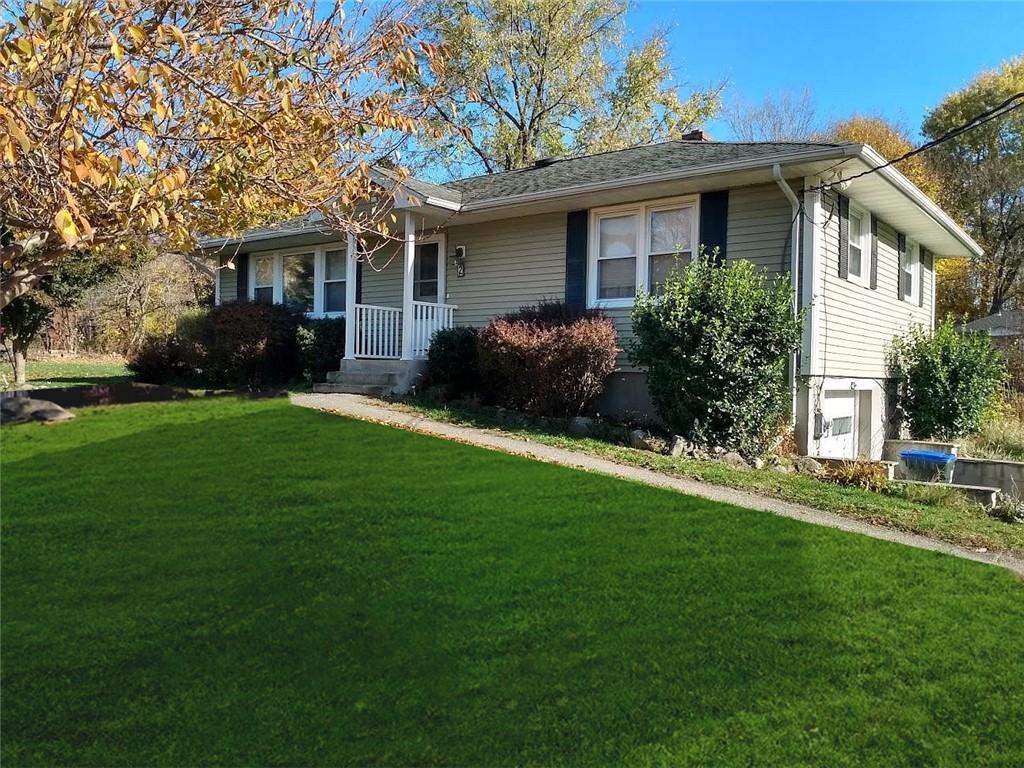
245,345
321,346
715,344
159,360
946,381
453,362
547,360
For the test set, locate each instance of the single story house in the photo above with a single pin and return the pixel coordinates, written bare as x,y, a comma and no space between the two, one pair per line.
857,237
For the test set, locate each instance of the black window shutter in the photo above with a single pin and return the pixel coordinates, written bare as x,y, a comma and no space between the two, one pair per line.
359,282
844,236
242,276
714,222
874,253
926,264
576,258
901,249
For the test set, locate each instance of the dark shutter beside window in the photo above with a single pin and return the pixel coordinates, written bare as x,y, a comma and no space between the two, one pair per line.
874,253
714,222
901,249
576,258
242,277
844,236
926,265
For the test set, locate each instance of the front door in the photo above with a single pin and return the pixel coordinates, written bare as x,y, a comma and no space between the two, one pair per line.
839,425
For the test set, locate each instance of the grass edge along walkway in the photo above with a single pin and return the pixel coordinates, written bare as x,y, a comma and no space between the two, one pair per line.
357,406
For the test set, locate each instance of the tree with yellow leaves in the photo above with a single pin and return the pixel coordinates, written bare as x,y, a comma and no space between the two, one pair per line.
135,122
891,141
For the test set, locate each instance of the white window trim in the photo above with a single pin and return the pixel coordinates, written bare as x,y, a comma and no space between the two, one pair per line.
319,271
865,247
913,257
320,279
643,212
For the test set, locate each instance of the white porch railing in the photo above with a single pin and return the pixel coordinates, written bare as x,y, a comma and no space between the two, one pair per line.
428,319
378,331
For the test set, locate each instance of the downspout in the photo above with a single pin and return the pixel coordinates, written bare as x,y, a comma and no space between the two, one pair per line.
794,268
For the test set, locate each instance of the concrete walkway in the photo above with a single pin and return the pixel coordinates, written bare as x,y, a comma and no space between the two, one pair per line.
367,409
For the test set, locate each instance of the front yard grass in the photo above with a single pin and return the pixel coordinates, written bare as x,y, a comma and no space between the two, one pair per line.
72,371
250,583
932,512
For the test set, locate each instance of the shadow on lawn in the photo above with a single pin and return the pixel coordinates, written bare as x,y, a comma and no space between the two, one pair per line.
290,587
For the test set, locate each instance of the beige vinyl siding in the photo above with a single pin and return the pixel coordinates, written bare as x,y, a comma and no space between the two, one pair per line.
759,226
382,276
509,264
858,324
228,281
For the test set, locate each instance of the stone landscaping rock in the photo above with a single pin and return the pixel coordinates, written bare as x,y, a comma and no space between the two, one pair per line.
733,459
783,468
638,439
806,465
17,410
581,425
758,463
680,446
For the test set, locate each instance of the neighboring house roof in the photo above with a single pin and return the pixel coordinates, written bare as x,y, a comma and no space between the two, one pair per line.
1007,323
571,173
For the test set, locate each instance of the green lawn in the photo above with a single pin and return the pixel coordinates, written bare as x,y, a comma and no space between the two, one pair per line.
940,513
69,372
249,583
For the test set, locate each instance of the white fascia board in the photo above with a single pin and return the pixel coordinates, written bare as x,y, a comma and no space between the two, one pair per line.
925,203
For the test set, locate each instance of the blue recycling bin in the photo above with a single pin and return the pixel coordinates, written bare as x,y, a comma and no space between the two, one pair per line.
929,466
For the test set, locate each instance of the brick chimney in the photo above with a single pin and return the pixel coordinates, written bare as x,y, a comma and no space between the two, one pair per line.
697,135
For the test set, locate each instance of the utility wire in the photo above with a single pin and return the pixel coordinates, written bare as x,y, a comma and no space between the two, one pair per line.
977,121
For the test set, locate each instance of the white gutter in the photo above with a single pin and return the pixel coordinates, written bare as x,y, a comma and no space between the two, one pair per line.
794,269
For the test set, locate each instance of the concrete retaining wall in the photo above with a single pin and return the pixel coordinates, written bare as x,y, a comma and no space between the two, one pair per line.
1007,476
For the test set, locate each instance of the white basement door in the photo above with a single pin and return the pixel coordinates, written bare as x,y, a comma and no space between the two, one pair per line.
839,425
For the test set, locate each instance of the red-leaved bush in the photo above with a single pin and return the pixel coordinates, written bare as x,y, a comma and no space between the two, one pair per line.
547,363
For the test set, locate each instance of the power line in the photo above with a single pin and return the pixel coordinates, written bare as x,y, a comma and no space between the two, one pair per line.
977,121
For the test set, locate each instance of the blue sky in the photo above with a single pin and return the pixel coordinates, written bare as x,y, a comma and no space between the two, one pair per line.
905,59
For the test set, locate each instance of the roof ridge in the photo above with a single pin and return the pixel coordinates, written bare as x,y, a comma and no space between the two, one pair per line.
701,142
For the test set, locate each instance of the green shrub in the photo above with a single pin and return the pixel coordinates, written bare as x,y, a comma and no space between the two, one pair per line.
159,360
946,381
321,346
548,360
453,362
715,344
244,345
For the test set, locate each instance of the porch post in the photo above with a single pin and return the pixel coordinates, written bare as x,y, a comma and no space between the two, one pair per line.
350,297
409,267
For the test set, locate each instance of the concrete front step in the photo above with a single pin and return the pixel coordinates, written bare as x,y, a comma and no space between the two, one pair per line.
982,494
373,390
354,377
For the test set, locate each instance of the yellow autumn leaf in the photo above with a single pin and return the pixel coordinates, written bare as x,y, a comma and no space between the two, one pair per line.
65,224
115,47
18,133
143,148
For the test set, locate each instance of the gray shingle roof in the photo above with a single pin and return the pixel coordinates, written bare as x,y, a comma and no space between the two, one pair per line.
567,173
1007,323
